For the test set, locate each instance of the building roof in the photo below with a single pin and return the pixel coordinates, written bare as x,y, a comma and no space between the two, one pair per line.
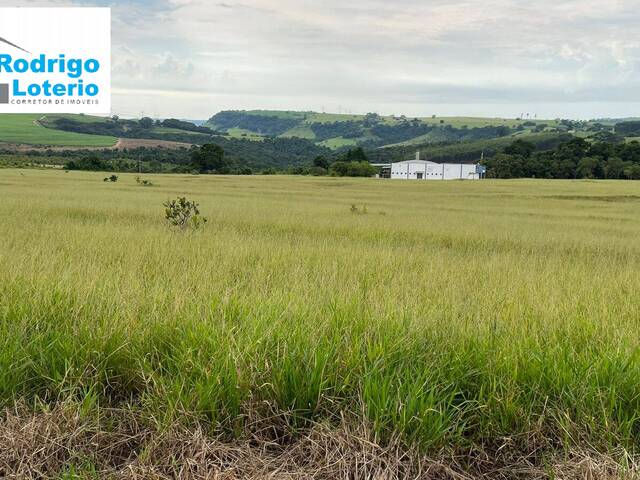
421,162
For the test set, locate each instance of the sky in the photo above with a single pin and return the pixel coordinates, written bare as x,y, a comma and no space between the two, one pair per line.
502,58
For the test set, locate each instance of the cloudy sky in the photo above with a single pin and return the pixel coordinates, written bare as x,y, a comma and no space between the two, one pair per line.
550,58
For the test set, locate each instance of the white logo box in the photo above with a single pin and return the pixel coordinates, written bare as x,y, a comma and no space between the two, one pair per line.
53,37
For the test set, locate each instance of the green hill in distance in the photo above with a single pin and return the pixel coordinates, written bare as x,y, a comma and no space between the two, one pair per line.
371,130
32,129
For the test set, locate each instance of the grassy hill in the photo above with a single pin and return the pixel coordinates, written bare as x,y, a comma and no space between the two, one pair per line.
371,130
29,129
464,151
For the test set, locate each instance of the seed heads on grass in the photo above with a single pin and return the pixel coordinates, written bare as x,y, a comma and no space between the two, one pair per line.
183,214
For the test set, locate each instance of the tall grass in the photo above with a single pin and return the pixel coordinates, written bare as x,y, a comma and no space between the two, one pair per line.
451,314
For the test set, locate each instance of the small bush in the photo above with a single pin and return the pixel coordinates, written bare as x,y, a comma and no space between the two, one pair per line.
183,214
143,182
112,178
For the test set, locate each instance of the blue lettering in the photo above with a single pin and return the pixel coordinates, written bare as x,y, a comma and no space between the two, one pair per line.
5,63
92,65
16,90
59,90
92,90
75,68
21,65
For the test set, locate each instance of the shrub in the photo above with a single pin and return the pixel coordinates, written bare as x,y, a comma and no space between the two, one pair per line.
112,178
353,169
143,182
183,214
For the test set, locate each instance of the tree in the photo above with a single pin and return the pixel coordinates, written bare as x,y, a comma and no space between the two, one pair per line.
505,166
628,129
614,168
208,158
321,162
520,147
355,155
587,167
91,163
353,169
146,123
632,172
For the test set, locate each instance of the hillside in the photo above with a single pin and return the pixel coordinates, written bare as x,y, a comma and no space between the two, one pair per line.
371,130
283,140
30,129
471,151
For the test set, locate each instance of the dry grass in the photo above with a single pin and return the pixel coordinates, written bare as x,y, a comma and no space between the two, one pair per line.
65,443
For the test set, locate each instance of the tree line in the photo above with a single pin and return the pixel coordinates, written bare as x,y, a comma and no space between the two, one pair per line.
210,159
576,158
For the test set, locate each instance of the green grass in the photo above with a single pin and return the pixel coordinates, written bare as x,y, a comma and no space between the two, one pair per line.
301,131
72,116
166,130
477,122
451,314
338,142
247,134
24,129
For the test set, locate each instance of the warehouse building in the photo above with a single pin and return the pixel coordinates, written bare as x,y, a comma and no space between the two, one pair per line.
424,170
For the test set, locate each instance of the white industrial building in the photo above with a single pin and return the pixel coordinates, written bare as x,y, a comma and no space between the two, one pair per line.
424,170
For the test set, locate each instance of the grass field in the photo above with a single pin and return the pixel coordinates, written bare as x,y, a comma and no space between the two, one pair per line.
242,133
457,122
476,318
24,129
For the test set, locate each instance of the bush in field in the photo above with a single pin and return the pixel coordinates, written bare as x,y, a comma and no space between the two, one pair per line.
143,182
183,214
112,178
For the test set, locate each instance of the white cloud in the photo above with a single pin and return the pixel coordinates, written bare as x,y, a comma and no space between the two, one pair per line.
413,56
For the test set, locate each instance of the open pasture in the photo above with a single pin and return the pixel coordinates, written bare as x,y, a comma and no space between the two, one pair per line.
446,314
24,129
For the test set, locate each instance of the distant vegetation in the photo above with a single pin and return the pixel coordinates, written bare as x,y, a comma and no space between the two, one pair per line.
576,158
370,130
270,125
628,129
147,128
292,142
464,152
